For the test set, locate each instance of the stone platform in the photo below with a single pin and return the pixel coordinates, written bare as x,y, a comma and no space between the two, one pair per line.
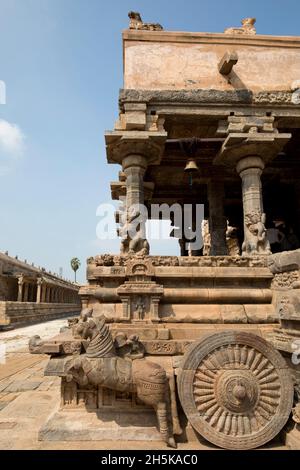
80,425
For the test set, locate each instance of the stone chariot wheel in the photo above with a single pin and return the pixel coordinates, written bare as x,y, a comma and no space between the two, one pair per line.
235,389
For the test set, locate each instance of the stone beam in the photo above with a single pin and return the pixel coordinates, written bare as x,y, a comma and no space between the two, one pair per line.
227,62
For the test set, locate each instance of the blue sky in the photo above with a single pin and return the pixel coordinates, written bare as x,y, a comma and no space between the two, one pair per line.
61,61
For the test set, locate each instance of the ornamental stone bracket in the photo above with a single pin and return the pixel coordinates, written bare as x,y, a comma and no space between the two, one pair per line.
121,144
140,295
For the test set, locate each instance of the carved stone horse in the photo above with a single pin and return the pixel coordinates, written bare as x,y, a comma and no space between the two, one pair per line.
101,366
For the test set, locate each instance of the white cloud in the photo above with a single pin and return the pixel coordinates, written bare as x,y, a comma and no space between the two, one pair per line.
11,140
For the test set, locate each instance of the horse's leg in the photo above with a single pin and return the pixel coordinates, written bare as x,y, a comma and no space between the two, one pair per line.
162,418
174,412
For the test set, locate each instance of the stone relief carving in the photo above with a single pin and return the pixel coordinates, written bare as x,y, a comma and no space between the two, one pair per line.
140,309
296,413
136,22
129,347
243,376
206,238
35,344
139,266
232,241
247,27
205,261
256,241
288,279
104,260
136,245
101,366
165,261
276,97
284,261
207,96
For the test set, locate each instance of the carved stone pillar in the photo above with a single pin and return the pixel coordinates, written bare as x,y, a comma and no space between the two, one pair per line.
26,291
182,244
39,290
251,142
255,240
134,241
20,288
134,150
48,295
217,221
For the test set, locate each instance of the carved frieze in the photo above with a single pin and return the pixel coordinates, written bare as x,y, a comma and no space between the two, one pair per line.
272,97
146,264
287,280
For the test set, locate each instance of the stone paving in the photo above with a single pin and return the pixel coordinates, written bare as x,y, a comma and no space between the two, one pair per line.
27,398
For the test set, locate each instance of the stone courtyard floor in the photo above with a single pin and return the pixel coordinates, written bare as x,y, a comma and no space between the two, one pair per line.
27,398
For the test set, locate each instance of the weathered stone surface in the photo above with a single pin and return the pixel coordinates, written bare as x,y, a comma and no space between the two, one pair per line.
22,386
186,96
154,61
98,426
284,261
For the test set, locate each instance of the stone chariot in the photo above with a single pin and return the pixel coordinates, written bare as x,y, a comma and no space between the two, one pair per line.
206,343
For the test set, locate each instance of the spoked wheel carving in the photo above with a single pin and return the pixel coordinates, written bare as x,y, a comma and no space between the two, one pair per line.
235,389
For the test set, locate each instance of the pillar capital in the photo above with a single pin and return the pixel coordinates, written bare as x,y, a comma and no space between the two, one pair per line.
39,281
238,146
121,144
251,162
134,161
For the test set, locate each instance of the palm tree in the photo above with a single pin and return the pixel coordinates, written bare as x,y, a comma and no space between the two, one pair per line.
75,265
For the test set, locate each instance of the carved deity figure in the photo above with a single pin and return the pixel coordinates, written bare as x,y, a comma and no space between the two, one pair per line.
140,309
255,236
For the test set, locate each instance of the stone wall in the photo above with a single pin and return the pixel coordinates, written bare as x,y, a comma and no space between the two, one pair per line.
12,313
8,288
189,61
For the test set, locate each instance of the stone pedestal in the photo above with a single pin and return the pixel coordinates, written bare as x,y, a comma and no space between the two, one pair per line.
80,425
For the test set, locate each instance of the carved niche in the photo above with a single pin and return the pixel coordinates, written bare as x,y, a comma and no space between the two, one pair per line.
139,294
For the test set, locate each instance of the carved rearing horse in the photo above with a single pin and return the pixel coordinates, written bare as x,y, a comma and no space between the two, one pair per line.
101,366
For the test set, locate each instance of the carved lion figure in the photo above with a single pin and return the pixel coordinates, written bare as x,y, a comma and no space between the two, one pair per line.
256,241
136,22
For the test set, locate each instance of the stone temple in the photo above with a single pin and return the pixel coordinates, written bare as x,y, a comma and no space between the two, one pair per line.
205,344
